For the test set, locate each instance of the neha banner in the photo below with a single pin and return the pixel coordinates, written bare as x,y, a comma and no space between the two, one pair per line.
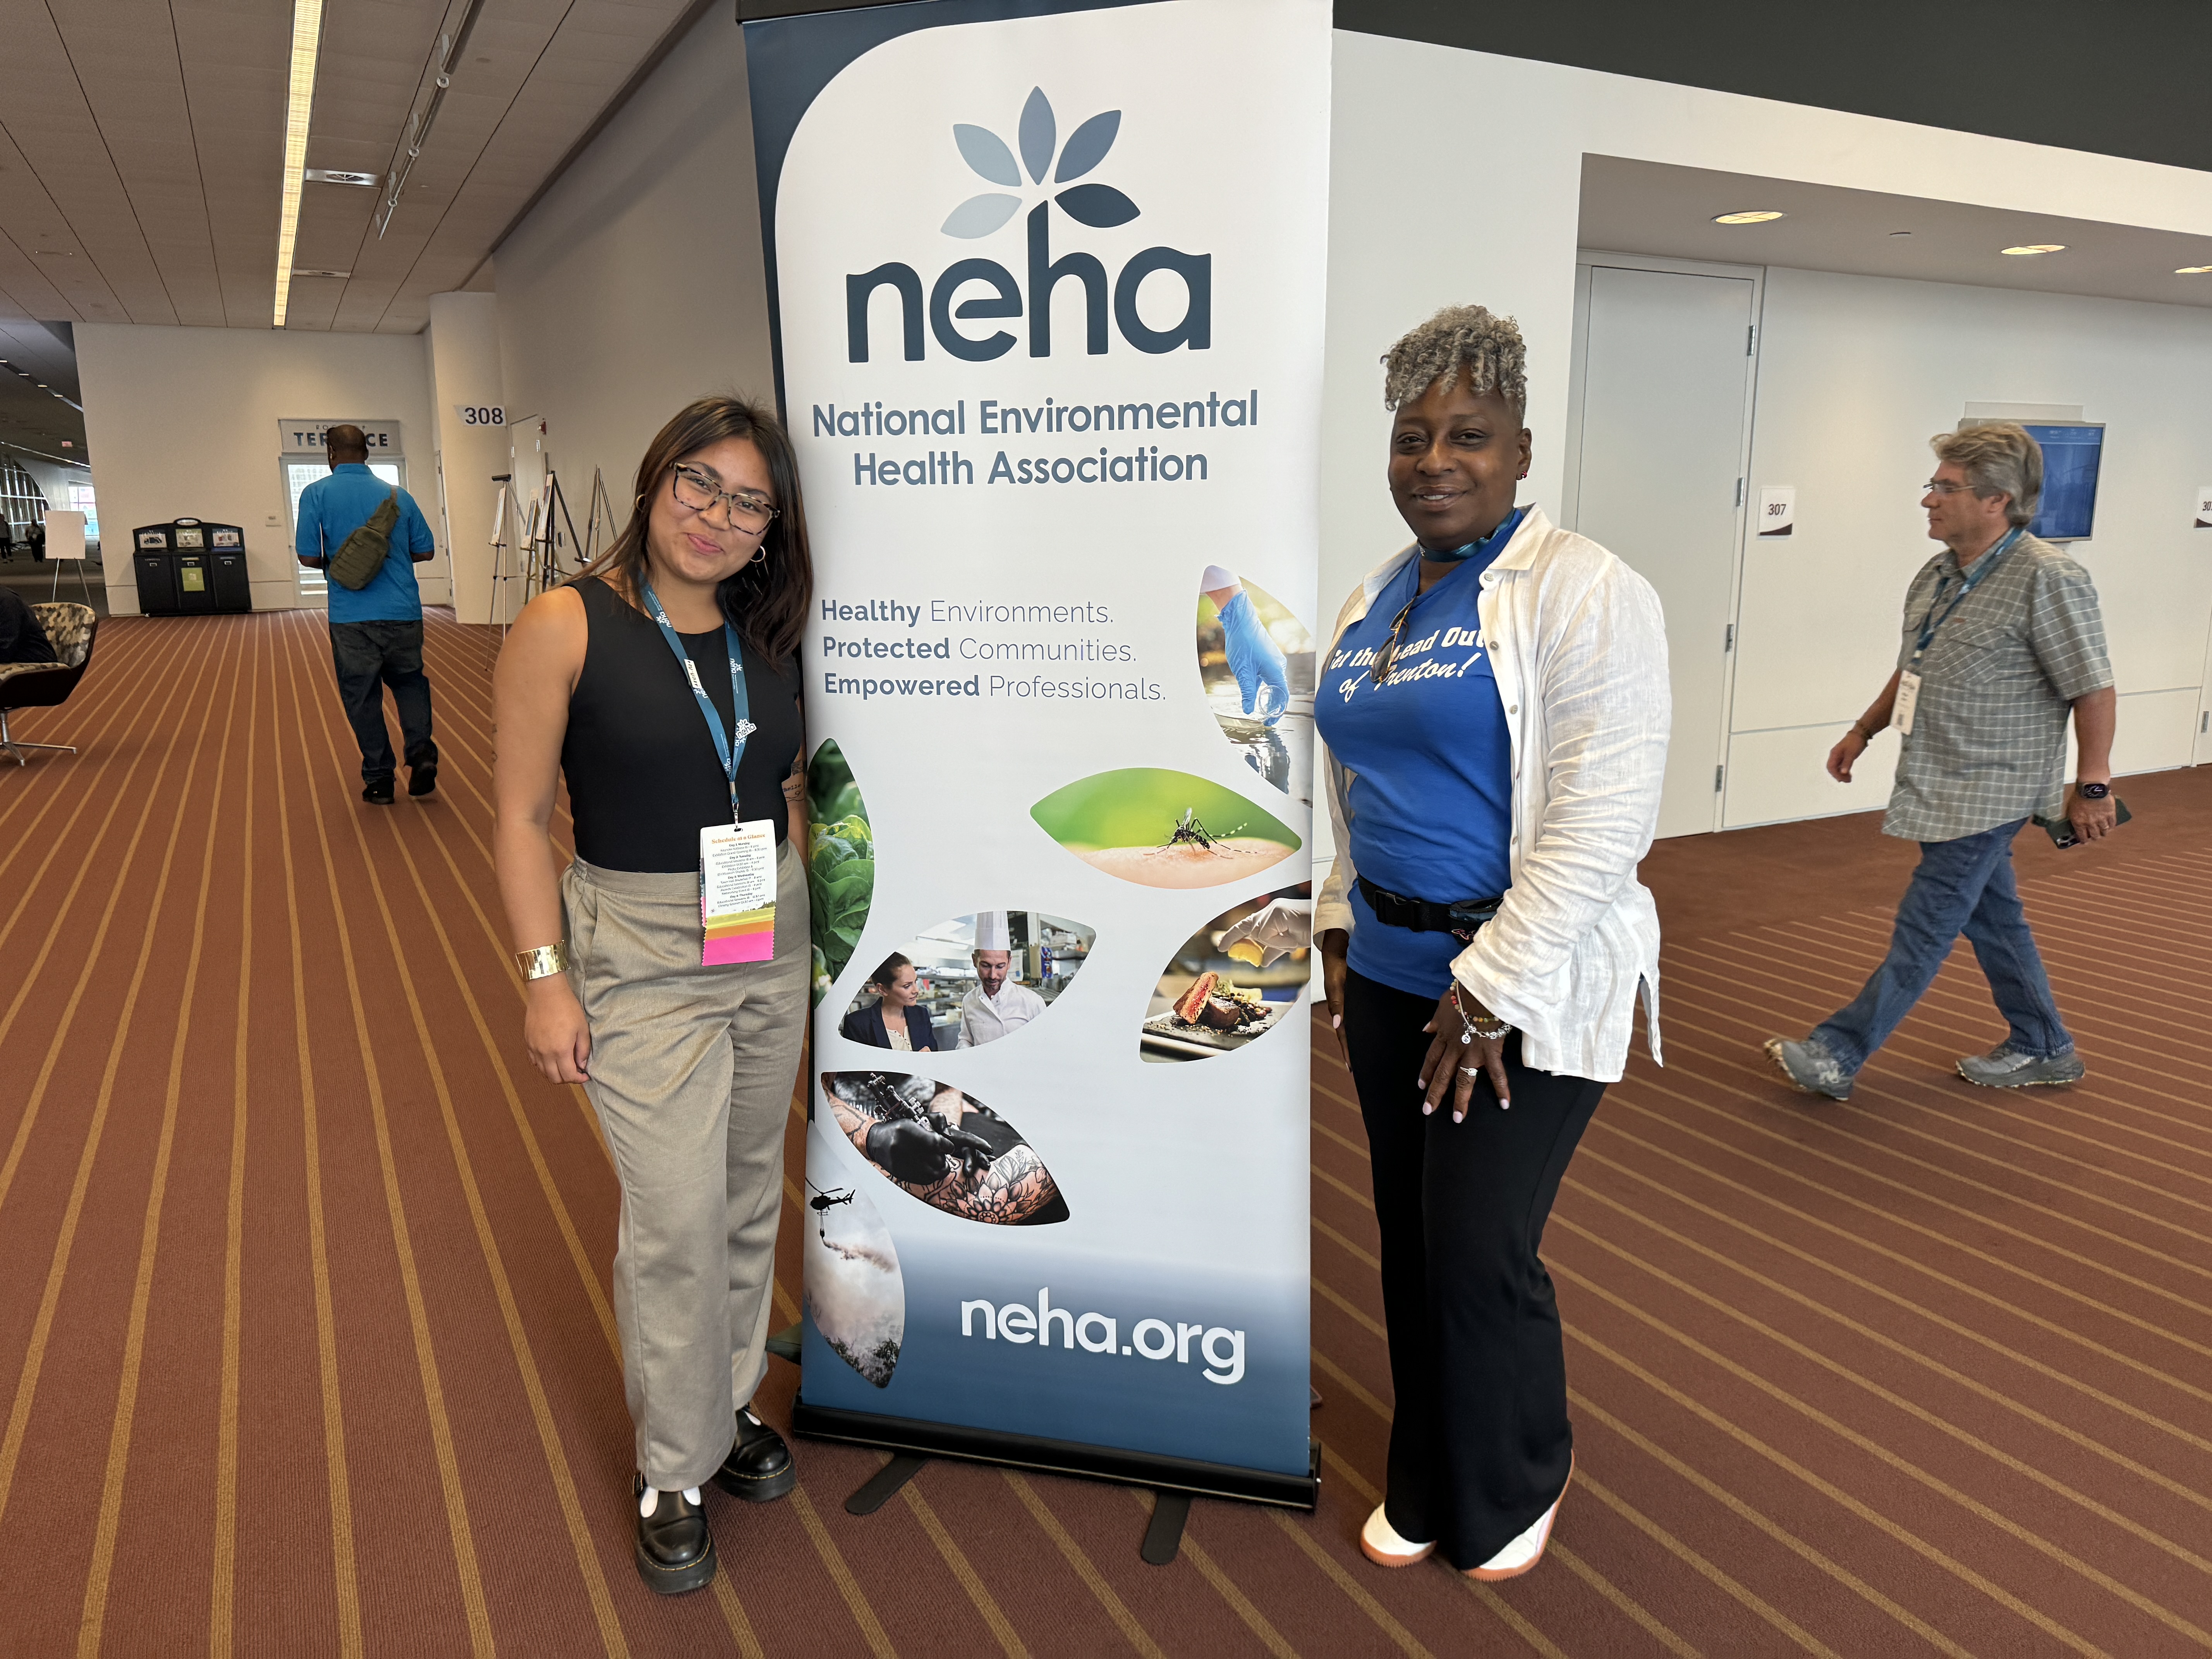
1048,287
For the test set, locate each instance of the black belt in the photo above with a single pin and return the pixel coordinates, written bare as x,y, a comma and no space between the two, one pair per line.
1427,916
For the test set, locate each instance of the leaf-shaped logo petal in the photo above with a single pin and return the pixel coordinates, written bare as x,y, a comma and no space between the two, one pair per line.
979,216
944,1146
841,864
1038,134
1087,146
855,1294
985,152
1100,206
1163,829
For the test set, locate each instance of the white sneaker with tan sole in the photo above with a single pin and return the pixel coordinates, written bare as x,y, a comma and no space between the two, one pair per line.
1525,1550
1380,1543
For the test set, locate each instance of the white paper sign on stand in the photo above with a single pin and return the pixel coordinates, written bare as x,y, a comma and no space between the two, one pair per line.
64,534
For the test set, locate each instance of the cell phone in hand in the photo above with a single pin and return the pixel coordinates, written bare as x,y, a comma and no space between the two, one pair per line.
2061,829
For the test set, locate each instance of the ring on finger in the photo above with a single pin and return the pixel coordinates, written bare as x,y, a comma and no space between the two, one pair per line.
1470,1071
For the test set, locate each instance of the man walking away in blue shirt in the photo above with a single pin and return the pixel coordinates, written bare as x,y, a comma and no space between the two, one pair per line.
376,631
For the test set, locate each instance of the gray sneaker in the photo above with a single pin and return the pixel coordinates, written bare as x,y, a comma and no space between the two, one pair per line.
1812,1068
2005,1067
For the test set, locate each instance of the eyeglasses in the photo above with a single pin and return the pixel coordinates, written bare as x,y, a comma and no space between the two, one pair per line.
1938,487
696,491
1386,658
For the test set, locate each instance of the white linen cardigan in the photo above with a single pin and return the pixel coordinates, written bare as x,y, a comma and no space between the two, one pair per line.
1579,649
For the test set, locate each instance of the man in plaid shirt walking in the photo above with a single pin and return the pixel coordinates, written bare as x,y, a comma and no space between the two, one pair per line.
2002,637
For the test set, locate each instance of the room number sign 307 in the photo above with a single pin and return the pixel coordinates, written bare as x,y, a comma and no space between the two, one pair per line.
481,413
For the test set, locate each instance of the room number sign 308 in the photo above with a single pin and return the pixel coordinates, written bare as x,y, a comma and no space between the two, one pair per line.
481,413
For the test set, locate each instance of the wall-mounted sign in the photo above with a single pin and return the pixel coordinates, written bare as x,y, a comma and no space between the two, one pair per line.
298,437
481,413
2204,517
1777,510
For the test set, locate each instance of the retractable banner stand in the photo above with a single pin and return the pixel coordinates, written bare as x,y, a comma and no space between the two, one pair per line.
1047,283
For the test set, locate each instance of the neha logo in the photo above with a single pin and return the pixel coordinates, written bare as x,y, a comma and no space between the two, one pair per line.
1098,206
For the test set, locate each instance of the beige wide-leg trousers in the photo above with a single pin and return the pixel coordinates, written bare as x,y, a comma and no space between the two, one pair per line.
691,1072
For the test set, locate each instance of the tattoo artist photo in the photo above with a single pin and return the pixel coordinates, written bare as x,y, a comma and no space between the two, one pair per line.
2003,636
1496,707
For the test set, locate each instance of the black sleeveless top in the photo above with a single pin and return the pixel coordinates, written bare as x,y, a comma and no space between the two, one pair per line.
643,779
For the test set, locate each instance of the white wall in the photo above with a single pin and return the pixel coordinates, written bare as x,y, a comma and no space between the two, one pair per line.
637,285
1507,239
182,421
465,369
1855,373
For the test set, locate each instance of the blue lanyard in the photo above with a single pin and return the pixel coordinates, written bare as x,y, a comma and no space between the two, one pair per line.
724,751
1489,546
1931,622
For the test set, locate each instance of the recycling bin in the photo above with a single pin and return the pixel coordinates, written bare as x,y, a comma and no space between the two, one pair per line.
189,568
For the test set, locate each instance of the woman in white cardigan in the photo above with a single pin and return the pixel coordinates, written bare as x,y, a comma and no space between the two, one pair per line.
1495,704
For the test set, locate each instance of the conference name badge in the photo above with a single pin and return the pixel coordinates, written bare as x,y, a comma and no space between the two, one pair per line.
737,892
1908,701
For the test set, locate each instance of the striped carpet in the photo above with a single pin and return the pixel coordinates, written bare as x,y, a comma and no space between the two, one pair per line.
305,1343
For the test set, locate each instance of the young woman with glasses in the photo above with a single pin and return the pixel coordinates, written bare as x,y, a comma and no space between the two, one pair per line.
1495,704
663,684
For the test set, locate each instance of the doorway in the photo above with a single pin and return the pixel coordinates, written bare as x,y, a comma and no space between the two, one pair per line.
1659,433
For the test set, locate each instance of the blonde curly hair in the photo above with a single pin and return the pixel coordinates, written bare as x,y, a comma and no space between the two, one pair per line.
1460,339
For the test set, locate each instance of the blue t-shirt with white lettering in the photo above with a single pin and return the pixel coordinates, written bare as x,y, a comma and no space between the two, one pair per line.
332,509
1432,800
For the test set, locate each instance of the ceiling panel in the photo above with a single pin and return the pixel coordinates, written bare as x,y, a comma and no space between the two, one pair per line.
1649,207
30,418
141,149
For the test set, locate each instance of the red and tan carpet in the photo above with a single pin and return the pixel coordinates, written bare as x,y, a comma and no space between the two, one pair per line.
306,1345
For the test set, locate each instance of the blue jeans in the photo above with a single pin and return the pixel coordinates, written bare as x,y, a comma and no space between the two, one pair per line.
1961,886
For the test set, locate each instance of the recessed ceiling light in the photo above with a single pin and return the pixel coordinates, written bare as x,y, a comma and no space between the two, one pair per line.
1749,216
300,104
2036,247
2192,270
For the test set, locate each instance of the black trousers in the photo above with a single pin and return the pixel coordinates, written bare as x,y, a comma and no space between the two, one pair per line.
369,656
1479,1443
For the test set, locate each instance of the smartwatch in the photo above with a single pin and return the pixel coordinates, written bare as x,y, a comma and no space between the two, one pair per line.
2094,791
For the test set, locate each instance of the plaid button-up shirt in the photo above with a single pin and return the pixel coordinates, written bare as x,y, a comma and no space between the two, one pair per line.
1988,737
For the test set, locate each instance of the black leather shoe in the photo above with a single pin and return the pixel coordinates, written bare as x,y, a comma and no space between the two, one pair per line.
759,1468
675,1550
377,793
423,779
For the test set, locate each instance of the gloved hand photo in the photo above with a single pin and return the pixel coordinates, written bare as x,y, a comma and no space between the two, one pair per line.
1270,933
909,1152
1253,658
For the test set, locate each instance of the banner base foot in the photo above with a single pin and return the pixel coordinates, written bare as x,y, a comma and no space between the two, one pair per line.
1163,1532
784,1343
1164,1475
885,1483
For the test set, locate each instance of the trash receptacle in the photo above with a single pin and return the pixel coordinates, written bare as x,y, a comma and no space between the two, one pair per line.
229,586
153,558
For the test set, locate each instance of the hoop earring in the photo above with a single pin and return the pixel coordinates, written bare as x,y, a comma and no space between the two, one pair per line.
759,554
